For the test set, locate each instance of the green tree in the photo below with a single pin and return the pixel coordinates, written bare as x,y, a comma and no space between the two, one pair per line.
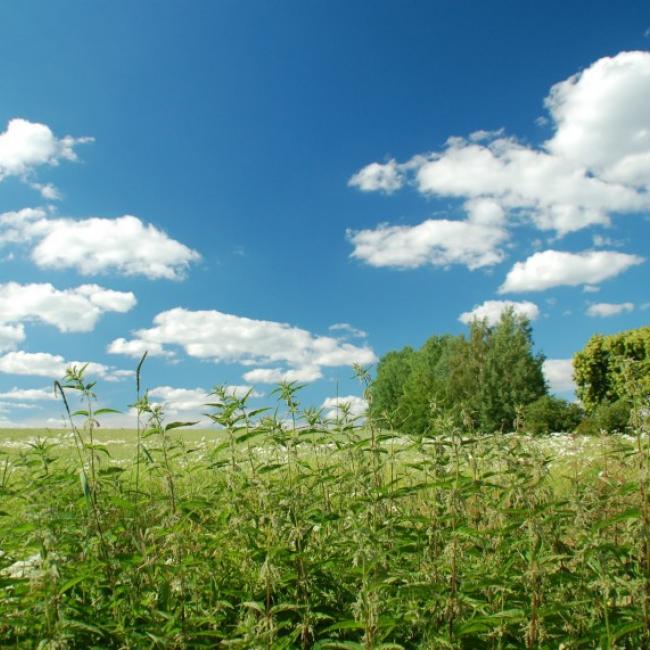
612,368
424,384
513,375
387,390
485,376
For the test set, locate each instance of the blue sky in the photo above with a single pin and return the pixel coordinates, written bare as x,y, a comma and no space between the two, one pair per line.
221,183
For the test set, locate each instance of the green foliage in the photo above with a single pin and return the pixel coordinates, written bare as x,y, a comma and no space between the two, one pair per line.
549,414
613,367
387,389
481,379
607,416
318,534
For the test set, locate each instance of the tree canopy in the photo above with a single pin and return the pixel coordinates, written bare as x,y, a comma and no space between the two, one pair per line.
612,368
483,377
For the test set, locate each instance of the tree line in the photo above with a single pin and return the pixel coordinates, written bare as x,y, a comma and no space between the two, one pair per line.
492,380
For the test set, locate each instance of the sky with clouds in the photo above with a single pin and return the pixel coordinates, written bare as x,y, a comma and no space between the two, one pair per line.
260,192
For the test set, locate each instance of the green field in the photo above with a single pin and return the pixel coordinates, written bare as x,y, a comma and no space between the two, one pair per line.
264,533
120,443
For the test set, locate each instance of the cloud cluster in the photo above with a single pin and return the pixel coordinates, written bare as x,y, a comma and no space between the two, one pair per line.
596,164
25,145
491,311
69,310
556,268
44,364
93,246
473,242
604,309
221,337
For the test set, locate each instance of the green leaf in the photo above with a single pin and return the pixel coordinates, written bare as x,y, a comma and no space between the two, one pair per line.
179,425
71,583
632,513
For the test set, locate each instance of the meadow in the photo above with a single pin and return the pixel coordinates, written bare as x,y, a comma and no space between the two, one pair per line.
279,529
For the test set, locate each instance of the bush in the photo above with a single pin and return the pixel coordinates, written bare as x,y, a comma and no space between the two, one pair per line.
612,417
549,414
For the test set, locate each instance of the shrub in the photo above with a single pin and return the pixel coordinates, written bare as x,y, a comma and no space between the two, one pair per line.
612,417
549,414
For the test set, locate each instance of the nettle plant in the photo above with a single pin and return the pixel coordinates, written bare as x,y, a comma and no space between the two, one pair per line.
278,527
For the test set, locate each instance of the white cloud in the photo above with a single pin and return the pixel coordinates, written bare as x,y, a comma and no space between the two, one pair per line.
124,244
602,119
44,364
387,177
437,242
136,348
559,374
348,330
555,268
604,309
601,241
491,311
29,394
192,400
25,145
41,364
357,405
235,339
97,245
10,336
48,191
276,376
69,310
595,165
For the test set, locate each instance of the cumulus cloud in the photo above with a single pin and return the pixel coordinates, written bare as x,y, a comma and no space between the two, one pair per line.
559,375
596,164
332,406
136,348
604,309
229,338
69,310
474,242
29,394
555,268
25,145
93,246
44,364
491,311
387,177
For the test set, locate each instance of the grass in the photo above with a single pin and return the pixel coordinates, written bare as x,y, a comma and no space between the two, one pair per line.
312,534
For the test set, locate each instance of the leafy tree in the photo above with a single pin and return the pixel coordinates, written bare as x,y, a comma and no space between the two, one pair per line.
424,384
513,373
387,390
486,376
614,367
